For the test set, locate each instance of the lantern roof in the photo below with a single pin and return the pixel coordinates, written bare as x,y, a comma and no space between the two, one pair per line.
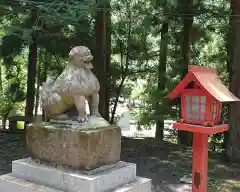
207,79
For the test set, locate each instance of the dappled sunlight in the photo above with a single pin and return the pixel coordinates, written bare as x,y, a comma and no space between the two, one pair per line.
175,188
221,166
232,182
226,185
167,163
141,50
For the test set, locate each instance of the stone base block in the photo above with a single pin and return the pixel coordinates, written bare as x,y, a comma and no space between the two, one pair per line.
139,185
76,148
103,179
8,183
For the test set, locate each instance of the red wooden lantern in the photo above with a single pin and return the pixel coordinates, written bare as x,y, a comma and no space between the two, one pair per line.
202,94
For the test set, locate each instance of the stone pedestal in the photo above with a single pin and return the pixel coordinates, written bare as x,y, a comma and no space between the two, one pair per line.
29,176
77,148
73,160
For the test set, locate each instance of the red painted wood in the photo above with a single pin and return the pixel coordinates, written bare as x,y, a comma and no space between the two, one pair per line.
208,120
202,81
206,83
194,92
208,114
200,162
195,68
181,86
219,110
200,152
183,107
198,91
201,129
208,80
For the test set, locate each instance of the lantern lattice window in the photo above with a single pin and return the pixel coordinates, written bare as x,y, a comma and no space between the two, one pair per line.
195,107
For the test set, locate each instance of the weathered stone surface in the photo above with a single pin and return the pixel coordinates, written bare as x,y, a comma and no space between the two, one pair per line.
139,185
107,178
76,148
8,183
63,97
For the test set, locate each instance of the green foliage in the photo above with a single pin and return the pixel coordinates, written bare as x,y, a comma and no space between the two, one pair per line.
136,36
11,46
12,92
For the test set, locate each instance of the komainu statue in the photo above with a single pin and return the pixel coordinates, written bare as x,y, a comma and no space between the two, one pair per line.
64,98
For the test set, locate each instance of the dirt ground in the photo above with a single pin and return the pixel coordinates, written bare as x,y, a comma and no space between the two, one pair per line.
165,163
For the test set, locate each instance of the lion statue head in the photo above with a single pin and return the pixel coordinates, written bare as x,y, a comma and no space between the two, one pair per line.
81,56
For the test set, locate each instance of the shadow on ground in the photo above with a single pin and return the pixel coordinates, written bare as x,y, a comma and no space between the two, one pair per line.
12,147
165,163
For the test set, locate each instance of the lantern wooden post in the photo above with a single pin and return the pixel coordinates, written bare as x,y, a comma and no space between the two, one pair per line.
202,94
200,152
200,162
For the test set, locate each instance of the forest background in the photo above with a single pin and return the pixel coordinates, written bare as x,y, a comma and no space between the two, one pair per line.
142,49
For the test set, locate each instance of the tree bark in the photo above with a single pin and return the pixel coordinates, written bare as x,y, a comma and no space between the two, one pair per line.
228,50
159,134
184,136
31,75
233,147
100,58
37,90
108,57
1,82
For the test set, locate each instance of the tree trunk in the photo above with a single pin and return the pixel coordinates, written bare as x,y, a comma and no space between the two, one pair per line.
108,57
233,148
100,59
118,92
123,75
228,50
184,136
31,76
159,134
37,90
1,82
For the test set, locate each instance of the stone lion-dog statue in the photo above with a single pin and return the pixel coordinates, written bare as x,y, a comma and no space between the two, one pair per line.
65,97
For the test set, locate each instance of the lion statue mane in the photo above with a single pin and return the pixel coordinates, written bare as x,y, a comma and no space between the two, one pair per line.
64,98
